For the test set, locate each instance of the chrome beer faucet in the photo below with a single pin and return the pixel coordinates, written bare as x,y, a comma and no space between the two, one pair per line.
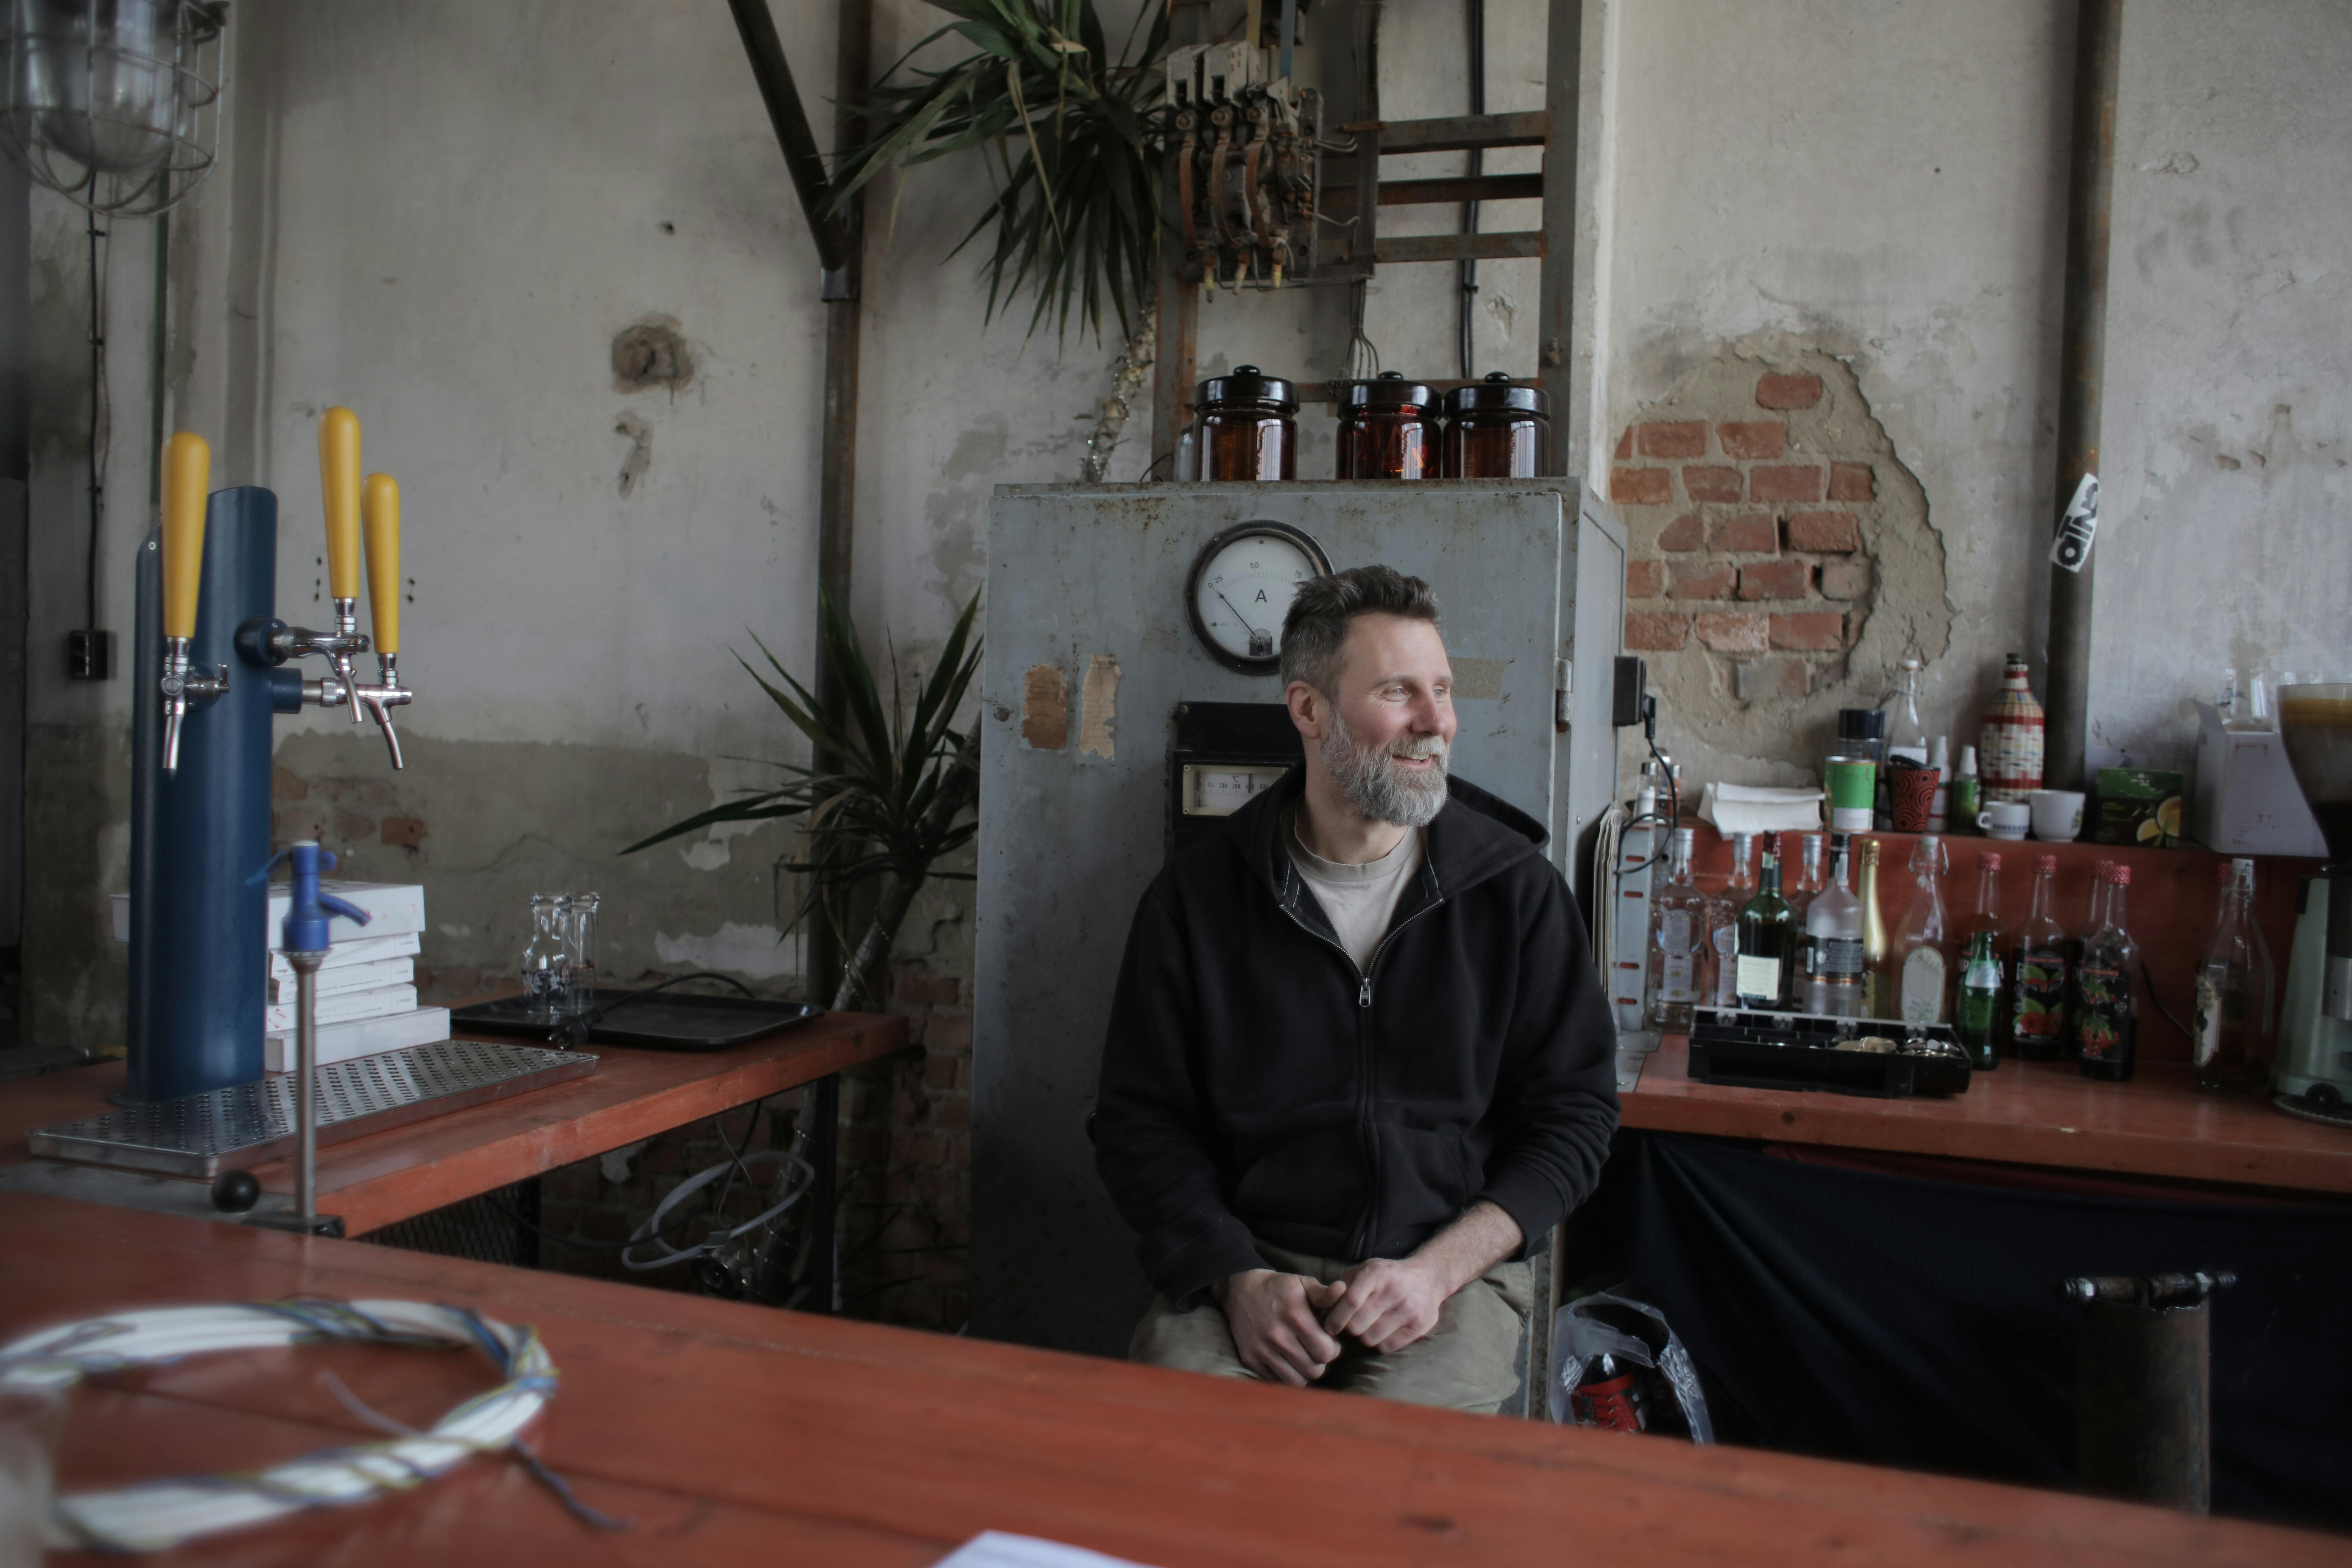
187,478
349,508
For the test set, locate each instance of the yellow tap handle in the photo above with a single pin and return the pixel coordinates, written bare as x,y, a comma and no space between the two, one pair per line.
187,476
339,478
381,511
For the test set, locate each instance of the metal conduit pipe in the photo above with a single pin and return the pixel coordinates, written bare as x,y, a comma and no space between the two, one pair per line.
2082,355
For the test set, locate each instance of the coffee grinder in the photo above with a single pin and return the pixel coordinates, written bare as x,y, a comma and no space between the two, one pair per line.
2314,1060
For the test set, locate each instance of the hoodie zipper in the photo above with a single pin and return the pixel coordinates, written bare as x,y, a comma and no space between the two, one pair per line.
1367,1133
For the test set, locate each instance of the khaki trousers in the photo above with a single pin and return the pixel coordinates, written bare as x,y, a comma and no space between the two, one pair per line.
1468,1362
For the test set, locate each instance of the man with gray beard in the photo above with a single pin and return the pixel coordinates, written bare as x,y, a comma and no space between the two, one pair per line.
1357,1059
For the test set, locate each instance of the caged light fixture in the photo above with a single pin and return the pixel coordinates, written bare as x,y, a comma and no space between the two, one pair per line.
114,104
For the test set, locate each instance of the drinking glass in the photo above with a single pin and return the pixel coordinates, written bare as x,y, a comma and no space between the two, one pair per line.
545,960
580,952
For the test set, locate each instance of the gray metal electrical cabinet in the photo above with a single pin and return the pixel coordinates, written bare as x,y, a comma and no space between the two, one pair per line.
1091,653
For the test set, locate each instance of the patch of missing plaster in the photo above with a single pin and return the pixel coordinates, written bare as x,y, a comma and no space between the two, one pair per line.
652,355
1098,707
641,451
1753,690
1478,679
1045,709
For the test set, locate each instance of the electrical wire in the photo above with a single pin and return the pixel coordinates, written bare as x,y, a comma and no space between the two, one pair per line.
156,1515
587,1243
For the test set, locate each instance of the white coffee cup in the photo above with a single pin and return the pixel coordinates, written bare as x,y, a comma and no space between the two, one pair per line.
2005,819
2057,815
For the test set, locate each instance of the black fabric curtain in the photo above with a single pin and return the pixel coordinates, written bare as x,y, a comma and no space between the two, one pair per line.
1912,1322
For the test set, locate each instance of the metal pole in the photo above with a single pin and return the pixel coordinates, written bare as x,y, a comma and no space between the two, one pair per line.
807,166
2144,1402
306,1088
2081,372
1556,358
836,507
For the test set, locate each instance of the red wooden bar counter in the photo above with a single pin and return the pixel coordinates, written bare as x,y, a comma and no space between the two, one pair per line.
2046,1113
380,1178
736,1434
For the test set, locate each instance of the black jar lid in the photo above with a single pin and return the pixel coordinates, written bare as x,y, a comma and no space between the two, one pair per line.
1496,395
1388,389
1245,383
1860,724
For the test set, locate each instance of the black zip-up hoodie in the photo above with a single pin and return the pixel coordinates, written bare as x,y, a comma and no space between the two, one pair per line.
1255,1083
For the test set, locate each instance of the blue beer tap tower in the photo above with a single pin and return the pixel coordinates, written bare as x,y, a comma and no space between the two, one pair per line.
213,675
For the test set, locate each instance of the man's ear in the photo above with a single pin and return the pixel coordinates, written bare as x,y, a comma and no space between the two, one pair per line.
1309,709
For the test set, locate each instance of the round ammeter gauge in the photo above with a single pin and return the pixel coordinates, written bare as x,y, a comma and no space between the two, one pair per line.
1241,587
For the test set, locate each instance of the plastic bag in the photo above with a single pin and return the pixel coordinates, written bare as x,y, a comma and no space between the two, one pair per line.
1634,1335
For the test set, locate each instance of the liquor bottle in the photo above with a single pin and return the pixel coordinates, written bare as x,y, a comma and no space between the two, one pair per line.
2012,738
1987,918
1768,943
1877,984
2232,1036
1798,889
1923,950
2093,917
2037,967
2107,1028
1723,921
1977,1018
1833,943
1677,942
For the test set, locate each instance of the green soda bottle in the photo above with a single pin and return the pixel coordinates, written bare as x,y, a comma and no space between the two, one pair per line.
1978,1015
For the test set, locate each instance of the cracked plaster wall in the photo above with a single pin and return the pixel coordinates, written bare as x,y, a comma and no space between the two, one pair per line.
441,214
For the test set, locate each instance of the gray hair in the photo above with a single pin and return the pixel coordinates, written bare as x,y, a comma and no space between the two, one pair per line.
1316,626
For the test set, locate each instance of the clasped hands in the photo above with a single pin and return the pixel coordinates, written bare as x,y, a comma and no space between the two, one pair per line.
1287,1327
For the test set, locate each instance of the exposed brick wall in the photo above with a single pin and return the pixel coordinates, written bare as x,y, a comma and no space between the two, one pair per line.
1749,534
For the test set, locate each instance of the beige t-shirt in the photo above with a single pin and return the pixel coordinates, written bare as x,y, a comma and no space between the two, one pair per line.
1359,900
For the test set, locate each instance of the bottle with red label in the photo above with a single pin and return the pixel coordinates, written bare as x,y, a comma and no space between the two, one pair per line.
1609,1394
2037,969
2107,1035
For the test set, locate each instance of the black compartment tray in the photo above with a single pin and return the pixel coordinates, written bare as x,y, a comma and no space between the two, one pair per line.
666,1021
1752,1049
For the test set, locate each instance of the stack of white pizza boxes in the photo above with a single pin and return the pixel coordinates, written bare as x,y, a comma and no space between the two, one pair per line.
367,986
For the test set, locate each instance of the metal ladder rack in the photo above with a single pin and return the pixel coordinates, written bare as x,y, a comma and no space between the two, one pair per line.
1553,128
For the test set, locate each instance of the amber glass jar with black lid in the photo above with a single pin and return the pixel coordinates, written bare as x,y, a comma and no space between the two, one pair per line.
1248,429
1387,430
1495,430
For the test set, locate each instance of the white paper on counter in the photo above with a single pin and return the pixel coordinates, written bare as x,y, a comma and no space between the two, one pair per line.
994,1549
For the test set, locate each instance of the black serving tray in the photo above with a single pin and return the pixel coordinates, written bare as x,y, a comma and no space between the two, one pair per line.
1754,1049
666,1021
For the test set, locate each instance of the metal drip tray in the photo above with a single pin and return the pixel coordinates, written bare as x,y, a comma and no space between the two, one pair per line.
203,1134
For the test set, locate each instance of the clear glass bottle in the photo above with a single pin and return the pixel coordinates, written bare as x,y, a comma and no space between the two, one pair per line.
2106,990
1878,994
2038,968
1677,942
580,952
1767,941
1924,951
544,960
1723,920
2233,1036
1800,879
1834,943
1907,732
